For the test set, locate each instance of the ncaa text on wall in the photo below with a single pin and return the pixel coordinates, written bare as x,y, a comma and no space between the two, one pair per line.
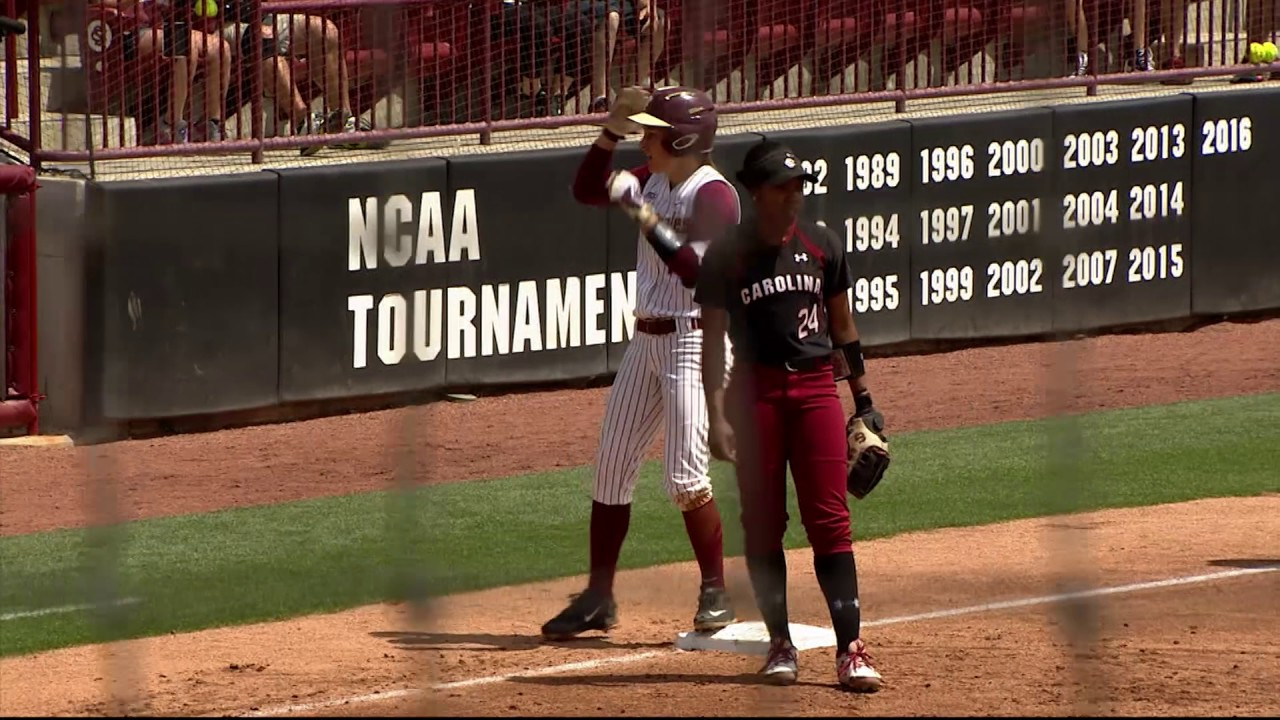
408,323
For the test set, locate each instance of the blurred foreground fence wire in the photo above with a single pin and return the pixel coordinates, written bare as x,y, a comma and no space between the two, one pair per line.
107,79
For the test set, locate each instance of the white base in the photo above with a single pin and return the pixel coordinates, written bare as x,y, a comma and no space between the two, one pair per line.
752,638
39,441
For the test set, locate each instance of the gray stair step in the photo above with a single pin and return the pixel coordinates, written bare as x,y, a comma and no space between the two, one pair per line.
49,47
63,132
61,84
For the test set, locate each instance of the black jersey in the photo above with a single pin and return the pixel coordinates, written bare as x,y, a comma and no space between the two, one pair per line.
775,296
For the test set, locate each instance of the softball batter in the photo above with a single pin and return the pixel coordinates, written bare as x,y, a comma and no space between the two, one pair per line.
779,287
681,203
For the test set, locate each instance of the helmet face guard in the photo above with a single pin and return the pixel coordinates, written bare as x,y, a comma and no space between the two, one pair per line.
687,117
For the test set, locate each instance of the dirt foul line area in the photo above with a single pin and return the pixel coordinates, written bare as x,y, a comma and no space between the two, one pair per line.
591,665
1182,620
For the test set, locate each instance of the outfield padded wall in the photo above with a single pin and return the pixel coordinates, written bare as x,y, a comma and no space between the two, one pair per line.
472,272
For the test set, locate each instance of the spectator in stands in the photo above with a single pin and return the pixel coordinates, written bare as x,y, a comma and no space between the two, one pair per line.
538,37
1173,25
1077,38
1168,23
322,47
1261,21
164,31
641,20
1141,45
697,19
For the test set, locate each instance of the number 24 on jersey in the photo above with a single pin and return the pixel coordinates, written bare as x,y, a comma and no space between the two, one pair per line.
809,321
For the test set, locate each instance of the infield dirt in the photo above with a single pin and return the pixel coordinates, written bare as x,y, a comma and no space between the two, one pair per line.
1200,649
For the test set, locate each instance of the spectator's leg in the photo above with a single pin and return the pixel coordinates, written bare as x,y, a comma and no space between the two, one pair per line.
1138,23
210,53
604,38
278,84
550,92
1077,38
1173,28
652,41
173,129
1173,25
530,86
698,18
322,42
549,62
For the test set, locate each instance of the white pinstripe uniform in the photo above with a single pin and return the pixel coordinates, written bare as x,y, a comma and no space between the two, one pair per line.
660,379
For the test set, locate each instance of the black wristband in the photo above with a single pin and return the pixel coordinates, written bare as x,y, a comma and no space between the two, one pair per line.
611,134
848,361
664,240
862,403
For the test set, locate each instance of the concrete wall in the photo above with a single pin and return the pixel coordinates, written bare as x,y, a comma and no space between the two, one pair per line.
60,245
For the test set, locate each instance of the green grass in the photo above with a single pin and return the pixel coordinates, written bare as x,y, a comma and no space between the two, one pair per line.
278,561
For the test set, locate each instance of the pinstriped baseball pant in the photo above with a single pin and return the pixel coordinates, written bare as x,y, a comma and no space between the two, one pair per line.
659,384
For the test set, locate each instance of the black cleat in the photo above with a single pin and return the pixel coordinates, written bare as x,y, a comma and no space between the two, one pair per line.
715,611
587,611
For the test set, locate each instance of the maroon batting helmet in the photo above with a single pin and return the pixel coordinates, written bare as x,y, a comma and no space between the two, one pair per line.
688,115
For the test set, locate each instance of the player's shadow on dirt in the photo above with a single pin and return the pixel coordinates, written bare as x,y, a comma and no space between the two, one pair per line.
621,680
489,642
1251,563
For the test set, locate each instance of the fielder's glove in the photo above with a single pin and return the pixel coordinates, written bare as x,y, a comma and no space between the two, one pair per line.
630,100
868,447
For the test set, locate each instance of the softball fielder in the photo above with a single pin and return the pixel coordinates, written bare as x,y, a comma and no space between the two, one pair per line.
681,203
778,288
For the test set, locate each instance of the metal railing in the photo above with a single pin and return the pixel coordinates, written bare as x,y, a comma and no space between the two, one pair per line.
19,377
297,74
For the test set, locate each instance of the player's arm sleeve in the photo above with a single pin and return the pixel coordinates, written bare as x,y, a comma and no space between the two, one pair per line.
715,211
590,183
711,288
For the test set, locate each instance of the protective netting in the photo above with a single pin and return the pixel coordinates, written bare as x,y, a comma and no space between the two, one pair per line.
291,77
4,295
430,655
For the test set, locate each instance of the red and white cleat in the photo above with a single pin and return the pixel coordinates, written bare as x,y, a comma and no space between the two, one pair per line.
854,669
780,667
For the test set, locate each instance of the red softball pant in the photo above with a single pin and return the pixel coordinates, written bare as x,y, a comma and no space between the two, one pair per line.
780,417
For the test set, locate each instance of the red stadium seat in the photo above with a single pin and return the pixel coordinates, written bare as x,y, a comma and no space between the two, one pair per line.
437,37
838,23
780,40
960,26
779,26
722,43
845,29
1016,19
430,29
771,31
1014,23
384,46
